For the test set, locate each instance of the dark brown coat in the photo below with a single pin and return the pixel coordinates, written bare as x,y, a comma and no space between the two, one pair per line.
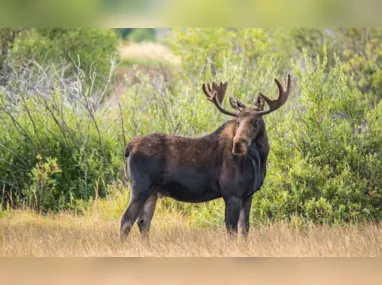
229,163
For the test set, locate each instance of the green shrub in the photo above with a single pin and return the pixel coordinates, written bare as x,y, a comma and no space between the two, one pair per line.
203,51
90,49
64,125
42,193
325,160
362,55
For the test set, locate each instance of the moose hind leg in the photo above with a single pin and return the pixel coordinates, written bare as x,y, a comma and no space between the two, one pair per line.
139,195
146,215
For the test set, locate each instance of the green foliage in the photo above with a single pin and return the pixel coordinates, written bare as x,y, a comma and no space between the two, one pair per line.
66,131
42,193
7,37
141,35
124,32
90,49
362,55
360,51
203,51
325,161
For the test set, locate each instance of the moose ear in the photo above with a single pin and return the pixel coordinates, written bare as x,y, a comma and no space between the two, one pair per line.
259,103
236,104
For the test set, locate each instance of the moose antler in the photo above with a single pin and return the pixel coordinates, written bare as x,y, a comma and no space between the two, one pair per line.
216,94
274,104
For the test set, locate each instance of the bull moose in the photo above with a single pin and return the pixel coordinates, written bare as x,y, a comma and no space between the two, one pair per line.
230,163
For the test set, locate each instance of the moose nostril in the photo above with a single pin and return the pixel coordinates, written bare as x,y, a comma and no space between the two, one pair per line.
242,142
239,148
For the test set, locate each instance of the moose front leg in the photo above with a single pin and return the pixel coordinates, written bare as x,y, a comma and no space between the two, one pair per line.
244,216
232,213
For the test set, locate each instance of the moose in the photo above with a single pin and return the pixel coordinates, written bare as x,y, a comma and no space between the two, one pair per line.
230,163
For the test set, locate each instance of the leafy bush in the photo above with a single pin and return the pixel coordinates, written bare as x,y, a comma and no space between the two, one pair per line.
60,120
203,51
325,160
42,193
362,55
90,49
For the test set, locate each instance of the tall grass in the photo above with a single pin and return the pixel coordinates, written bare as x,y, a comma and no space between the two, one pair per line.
30,234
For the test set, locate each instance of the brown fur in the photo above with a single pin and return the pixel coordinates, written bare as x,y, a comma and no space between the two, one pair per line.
229,163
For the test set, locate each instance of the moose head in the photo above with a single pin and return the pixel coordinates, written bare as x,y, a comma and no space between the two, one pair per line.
247,123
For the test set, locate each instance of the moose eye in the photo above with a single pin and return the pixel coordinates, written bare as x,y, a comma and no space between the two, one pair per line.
237,122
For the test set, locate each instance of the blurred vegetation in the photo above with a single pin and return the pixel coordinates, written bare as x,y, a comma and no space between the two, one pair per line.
137,35
141,35
124,32
62,145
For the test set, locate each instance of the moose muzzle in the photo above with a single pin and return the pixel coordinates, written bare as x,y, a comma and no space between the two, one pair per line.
240,146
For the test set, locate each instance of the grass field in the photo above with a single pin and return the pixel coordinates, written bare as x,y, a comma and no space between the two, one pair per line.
26,234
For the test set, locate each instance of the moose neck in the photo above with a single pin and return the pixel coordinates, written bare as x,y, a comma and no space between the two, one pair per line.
227,129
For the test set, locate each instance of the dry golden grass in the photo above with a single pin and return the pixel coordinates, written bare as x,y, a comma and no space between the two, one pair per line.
26,234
